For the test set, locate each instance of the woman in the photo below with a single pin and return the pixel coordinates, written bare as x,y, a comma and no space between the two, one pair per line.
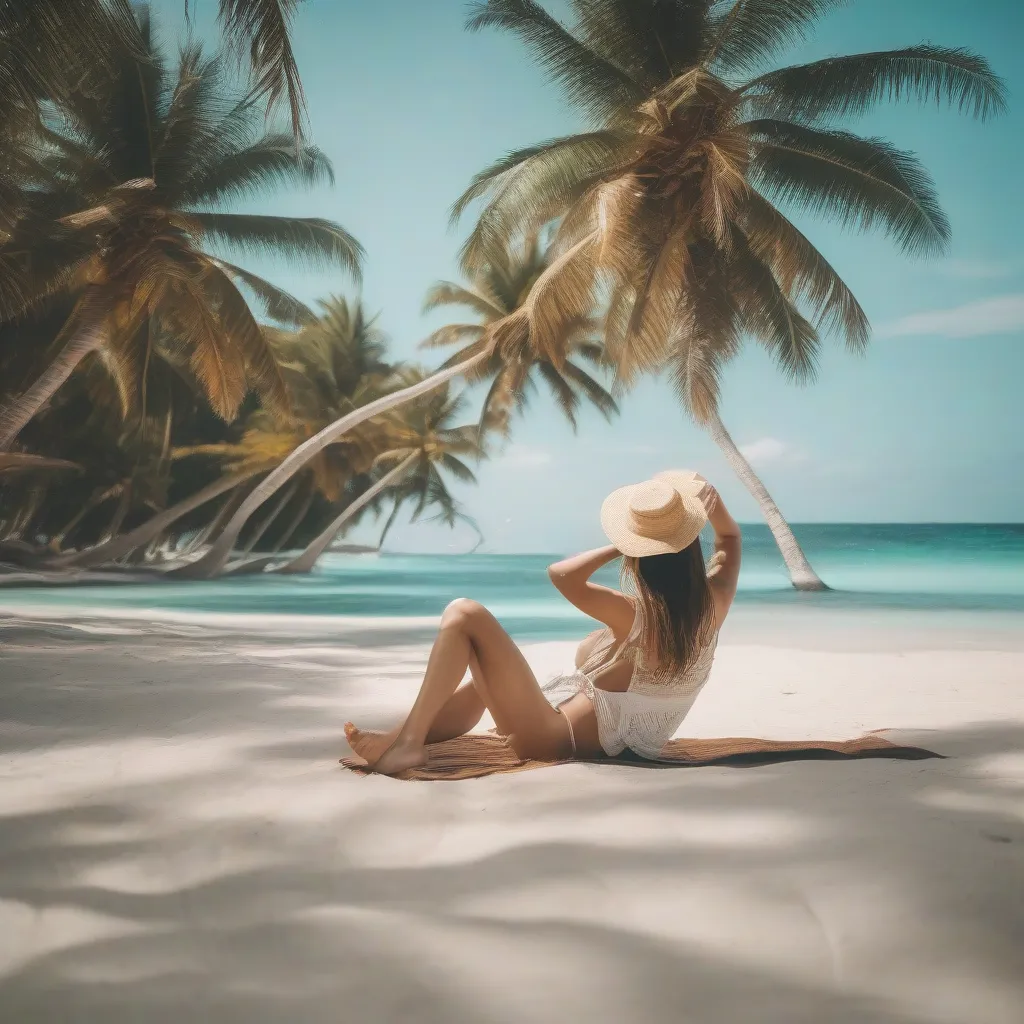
634,681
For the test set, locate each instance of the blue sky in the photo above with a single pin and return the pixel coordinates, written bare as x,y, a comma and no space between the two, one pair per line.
927,427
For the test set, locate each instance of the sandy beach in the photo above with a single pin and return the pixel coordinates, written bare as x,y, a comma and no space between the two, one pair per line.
178,839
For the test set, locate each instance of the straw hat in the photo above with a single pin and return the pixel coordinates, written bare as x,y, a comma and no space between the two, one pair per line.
656,517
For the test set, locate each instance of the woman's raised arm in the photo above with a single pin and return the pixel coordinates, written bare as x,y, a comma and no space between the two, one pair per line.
725,573
571,576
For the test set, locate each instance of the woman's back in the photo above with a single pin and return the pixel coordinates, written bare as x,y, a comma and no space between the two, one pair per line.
638,705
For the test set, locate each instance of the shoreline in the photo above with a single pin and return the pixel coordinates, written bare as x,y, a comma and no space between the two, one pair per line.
804,627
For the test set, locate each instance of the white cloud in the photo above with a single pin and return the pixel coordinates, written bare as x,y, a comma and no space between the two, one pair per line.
523,455
770,450
975,269
973,320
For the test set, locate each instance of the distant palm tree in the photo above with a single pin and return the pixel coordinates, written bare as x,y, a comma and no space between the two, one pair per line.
320,373
423,446
335,362
123,221
667,203
424,432
511,368
497,292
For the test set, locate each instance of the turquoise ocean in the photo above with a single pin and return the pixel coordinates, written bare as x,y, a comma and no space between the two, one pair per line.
927,575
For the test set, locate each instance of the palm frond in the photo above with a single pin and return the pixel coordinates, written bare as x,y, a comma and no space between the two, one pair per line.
496,407
464,440
651,42
262,371
593,352
565,397
317,241
483,181
268,163
850,85
16,461
561,297
856,181
447,293
539,188
705,335
746,33
593,83
651,268
802,272
263,27
767,314
189,122
36,265
50,50
279,304
596,393
458,469
452,334
130,343
450,512
218,366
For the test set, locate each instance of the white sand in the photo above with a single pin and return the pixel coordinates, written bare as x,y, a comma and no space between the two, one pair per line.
177,842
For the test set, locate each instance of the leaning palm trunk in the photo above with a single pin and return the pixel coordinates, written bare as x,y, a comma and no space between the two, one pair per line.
203,535
23,521
300,515
262,527
143,534
316,547
802,576
64,533
114,527
212,530
213,561
18,411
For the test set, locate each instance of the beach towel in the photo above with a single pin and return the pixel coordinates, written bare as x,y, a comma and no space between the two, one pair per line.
476,755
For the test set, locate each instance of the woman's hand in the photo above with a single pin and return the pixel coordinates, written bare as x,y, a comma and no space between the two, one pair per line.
707,493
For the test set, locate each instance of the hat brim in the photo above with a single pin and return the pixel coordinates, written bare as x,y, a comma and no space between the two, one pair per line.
615,518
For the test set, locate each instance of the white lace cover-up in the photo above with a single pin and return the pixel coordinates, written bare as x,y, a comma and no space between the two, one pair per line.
645,716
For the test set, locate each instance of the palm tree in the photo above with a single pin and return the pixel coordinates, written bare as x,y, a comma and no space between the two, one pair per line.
124,218
669,204
497,292
504,338
423,447
336,361
123,452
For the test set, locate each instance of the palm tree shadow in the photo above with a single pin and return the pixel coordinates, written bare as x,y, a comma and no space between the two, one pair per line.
260,883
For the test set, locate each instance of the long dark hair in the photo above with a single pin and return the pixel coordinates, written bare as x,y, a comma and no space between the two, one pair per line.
678,610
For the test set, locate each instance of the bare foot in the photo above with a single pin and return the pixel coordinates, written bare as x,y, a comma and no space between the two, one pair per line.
381,751
400,757
369,744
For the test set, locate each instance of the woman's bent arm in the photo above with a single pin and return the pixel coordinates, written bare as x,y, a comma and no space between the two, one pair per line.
725,575
571,576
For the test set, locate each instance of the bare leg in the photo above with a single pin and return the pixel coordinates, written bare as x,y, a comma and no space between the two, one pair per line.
505,681
460,714
462,711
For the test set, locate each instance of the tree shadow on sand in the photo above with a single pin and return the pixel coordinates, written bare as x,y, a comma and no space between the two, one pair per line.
260,882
